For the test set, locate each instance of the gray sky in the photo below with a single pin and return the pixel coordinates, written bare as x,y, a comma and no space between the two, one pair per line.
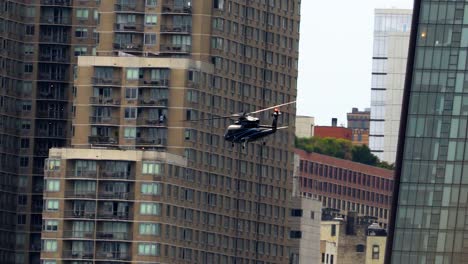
335,58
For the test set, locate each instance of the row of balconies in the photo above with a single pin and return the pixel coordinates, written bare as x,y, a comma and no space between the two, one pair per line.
101,215
116,81
140,121
168,7
100,234
164,48
102,174
100,195
116,101
140,141
140,27
101,255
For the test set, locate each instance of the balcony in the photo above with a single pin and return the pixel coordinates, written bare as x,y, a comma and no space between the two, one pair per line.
75,194
110,235
79,214
176,29
128,46
56,39
112,255
175,48
137,6
55,20
54,76
116,195
102,140
50,134
153,102
56,2
151,121
78,254
104,120
106,81
154,82
53,58
158,142
101,100
129,27
169,7
51,96
114,215
51,115
124,175
80,174
78,234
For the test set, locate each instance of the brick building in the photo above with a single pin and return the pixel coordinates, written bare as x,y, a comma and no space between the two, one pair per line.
333,131
358,122
346,186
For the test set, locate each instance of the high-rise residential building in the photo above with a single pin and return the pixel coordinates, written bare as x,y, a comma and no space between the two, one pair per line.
305,126
391,37
429,220
358,122
40,41
142,183
346,186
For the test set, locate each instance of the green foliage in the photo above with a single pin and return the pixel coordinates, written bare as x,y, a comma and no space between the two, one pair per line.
341,148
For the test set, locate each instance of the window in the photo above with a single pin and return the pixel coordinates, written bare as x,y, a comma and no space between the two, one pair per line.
29,30
132,74
151,167
150,229
81,32
52,164
24,161
218,4
151,2
28,68
52,205
151,188
79,51
295,234
30,11
130,132
46,262
28,49
131,93
24,143
148,249
82,14
52,185
296,212
21,219
49,245
312,215
150,39
151,19
360,248
150,209
375,252
130,112
333,230
50,225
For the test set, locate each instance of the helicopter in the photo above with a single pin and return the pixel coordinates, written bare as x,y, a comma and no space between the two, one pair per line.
248,128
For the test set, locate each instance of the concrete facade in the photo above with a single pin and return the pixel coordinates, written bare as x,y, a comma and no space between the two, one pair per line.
305,126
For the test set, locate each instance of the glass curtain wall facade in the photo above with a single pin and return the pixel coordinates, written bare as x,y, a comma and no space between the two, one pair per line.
429,220
391,36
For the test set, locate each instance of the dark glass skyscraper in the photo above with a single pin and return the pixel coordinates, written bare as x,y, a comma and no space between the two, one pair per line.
430,216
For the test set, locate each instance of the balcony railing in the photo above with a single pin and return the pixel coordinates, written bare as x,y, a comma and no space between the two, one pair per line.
175,48
151,141
118,195
75,194
56,2
51,114
130,7
54,39
157,83
115,215
104,100
112,255
128,46
78,254
152,122
129,27
51,96
79,214
116,175
56,20
176,29
81,174
51,134
107,235
78,234
106,81
103,140
53,58
103,120
153,102
168,7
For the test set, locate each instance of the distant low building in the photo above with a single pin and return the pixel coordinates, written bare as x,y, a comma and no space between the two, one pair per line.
333,131
358,122
351,240
305,126
345,185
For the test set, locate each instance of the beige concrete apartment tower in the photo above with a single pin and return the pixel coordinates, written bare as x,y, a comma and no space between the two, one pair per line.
142,182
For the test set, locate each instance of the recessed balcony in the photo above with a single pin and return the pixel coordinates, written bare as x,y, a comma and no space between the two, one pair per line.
112,81
103,140
112,235
104,120
105,100
175,48
76,254
56,2
170,7
129,27
128,46
176,29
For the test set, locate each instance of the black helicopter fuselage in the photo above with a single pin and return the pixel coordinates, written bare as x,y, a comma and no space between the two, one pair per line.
249,130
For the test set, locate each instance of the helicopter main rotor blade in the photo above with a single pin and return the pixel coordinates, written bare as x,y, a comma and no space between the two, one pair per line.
272,107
